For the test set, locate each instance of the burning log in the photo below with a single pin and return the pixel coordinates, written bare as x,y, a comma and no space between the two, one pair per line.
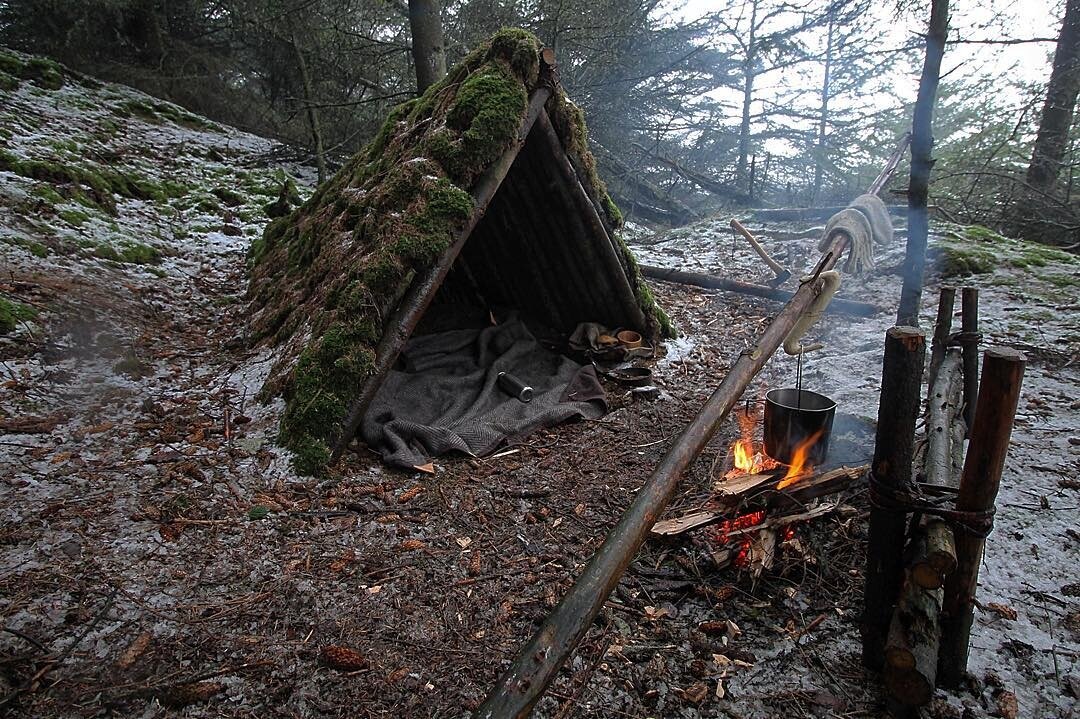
760,491
999,392
901,383
911,653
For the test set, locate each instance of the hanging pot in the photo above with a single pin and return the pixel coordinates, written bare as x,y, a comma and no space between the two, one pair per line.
791,417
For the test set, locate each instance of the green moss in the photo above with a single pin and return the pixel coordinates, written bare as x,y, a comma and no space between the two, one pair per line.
131,366
75,218
136,253
953,261
105,252
47,193
337,265
228,197
8,83
44,73
136,108
487,112
10,64
12,313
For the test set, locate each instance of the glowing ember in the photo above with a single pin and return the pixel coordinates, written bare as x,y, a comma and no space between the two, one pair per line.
721,531
800,467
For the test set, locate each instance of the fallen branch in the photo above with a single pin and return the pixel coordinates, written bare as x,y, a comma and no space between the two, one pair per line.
712,282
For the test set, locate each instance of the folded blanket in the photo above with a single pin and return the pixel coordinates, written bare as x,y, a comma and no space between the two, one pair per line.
444,396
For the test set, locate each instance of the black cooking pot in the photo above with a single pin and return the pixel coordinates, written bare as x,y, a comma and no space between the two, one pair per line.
793,415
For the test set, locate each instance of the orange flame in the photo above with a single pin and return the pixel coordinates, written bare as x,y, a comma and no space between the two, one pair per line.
747,460
799,465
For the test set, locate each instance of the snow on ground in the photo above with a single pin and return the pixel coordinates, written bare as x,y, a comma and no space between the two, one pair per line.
1026,303
143,502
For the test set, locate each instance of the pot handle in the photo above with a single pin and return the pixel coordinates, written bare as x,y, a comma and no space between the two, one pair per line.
830,284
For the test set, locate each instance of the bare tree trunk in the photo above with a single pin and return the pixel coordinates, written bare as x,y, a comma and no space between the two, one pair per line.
312,111
1057,114
823,116
748,97
428,48
922,143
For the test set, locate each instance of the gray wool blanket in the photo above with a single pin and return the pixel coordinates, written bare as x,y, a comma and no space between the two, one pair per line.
443,397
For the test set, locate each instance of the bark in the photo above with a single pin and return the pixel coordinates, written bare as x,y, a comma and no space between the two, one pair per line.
428,47
894,447
312,112
912,651
1003,373
748,98
823,113
1052,139
922,143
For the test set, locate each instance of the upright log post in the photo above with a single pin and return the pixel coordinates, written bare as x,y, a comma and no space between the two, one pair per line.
1003,373
969,342
894,447
942,328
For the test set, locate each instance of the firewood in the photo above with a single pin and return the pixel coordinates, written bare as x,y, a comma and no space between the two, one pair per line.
911,652
754,492
937,556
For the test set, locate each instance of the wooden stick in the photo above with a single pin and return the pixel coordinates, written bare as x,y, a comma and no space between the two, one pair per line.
970,344
748,495
942,329
1003,373
911,653
778,269
901,383
890,166
539,660
712,282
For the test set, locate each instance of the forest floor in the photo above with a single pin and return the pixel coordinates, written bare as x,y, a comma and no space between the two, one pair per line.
160,558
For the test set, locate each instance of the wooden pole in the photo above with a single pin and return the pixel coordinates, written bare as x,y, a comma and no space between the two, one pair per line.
894,448
1003,374
712,282
890,166
969,342
539,660
942,329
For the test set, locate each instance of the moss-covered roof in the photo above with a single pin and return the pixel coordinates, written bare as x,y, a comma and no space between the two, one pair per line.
325,277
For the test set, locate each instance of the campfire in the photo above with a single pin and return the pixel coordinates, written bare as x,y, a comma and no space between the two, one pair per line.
758,504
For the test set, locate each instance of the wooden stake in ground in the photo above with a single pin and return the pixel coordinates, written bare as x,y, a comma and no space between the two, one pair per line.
1003,373
901,382
969,342
942,328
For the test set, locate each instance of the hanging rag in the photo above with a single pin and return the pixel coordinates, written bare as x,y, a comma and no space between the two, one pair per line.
866,222
831,282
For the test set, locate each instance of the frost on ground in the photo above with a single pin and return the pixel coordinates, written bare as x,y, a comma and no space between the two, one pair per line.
160,557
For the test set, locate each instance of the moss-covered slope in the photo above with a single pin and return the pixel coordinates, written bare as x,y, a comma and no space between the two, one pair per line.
325,277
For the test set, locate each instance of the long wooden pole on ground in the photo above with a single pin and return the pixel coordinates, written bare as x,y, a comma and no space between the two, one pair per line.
999,393
539,661
894,448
